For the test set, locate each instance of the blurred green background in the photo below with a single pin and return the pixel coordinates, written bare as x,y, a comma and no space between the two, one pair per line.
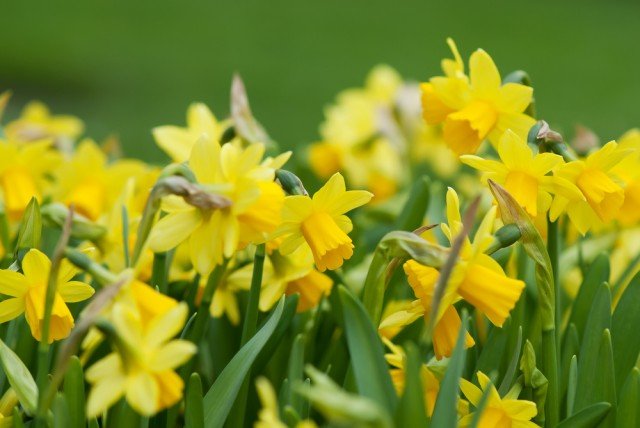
125,67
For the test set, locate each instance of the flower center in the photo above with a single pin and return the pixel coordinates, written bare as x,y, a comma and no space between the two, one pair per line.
602,194
524,188
465,129
329,244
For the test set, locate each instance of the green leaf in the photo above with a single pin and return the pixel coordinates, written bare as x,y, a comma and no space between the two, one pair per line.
445,413
194,410
628,412
588,417
60,412
505,386
221,395
20,379
17,418
605,387
589,357
626,318
570,348
414,210
411,411
296,371
571,384
597,274
367,356
339,406
74,393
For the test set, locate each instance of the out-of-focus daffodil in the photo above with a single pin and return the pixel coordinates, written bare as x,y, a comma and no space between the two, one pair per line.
27,292
142,367
36,123
321,222
177,142
500,412
24,173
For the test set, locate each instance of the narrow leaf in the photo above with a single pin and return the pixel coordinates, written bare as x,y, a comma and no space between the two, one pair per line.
20,379
74,393
626,318
597,273
628,411
588,417
194,411
411,408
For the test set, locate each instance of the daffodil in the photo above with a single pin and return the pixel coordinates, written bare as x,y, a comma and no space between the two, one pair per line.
603,194
476,108
252,210
628,171
142,367
8,403
321,223
90,183
430,384
26,293
177,142
24,173
476,278
36,123
360,139
525,175
269,414
499,412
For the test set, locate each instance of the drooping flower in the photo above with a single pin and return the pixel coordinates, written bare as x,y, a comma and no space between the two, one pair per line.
36,123
253,211
321,223
177,142
524,174
476,108
142,367
476,278
602,191
27,293
24,173
499,412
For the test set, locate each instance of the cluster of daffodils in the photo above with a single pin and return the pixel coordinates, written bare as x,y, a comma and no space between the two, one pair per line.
494,261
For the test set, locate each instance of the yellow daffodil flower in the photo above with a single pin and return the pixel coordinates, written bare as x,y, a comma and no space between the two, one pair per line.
430,383
476,278
177,142
525,175
355,137
142,368
321,223
24,173
36,123
499,412
478,108
603,194
27,292
628,171
256,201
90,183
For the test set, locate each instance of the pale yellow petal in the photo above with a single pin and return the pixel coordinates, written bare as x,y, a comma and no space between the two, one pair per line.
75,291
172,355
515,97
142,393
173,229
484,75
13,283
11,308
104,394
166,326
36,266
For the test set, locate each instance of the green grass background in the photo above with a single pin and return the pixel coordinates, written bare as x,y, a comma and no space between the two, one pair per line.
125,67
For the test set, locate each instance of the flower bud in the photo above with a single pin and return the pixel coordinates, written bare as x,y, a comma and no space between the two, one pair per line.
54,214
290,183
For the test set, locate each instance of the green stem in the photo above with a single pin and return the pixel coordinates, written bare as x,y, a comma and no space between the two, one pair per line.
553,248
159,272
550,367
249,327
202,316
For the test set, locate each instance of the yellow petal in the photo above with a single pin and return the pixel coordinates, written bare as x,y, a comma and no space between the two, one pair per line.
142,393
13,283
484,75
36,266
166,326
173,229
172,355
174,141
75,291
104,394
515,97
10,309
205,160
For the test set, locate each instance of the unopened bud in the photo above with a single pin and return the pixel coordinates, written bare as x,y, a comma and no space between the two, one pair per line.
549,140
290,183
54,214
584,140
504,237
